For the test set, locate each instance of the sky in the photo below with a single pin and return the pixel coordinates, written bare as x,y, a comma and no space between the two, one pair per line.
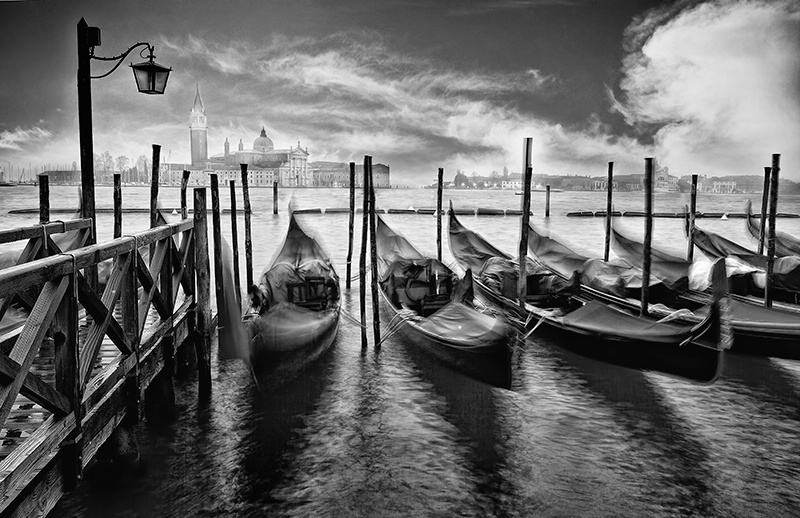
705,87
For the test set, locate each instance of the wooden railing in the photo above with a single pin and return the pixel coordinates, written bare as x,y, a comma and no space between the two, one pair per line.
154,299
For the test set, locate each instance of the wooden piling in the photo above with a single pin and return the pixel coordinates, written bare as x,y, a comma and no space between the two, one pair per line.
154,186
67,378
522,285
237,283
376,318
362,260
648,232
184,185
547,202
275,197
203,293
439,185
609,200
352,221
248,239
692,212
773,210
117,205
764,208
216,229
44,198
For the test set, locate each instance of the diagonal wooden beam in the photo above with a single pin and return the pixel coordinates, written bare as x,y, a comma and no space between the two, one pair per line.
30,251
97,331
34,388
94,306
31,338
182,273
151,292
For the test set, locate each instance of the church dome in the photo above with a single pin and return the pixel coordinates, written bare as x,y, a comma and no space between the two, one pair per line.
263,143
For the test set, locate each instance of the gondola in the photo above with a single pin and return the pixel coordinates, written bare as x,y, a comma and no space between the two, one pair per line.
757,330
785,244
747,269
294,310
430,307
590,326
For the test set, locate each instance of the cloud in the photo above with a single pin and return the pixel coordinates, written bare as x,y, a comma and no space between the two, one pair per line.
717,83
348,95
22,138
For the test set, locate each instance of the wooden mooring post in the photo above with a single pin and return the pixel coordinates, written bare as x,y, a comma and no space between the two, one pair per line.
547,201
439,185
90,396
154,185
237,283
44,198
275,197
609,205
522,284
349,272
216,229
203,309
362,260
648,233
692,216
117,205
764,209
373,257
184,185
773,210
248,239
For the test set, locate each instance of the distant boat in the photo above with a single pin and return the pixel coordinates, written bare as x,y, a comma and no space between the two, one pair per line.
519,193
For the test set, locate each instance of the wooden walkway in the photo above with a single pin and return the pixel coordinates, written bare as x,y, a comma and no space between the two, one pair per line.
77,358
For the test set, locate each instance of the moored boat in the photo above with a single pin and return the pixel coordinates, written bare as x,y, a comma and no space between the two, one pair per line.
295,308
590,326
431,308
757,330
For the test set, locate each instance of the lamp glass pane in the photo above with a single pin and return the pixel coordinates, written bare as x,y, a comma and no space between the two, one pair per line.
140,74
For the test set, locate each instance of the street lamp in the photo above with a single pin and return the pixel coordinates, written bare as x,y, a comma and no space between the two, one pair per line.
151,78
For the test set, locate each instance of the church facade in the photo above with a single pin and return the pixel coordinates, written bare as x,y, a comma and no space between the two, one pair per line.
265,164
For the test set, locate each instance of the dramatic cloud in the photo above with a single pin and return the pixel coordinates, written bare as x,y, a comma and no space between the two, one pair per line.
348,95
719,81
21,138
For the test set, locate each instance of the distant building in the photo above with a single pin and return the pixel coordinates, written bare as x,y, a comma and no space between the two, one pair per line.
723,187
266,164
337,174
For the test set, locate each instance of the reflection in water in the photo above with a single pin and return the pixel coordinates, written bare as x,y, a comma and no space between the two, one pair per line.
679,459
469,405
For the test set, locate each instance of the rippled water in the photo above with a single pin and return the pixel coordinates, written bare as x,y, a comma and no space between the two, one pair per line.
393,433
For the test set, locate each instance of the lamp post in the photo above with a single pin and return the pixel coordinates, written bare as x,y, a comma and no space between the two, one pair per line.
151,78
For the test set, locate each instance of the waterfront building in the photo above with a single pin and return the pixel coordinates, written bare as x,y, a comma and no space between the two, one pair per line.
266,164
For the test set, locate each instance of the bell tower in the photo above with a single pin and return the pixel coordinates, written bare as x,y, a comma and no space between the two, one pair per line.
198,129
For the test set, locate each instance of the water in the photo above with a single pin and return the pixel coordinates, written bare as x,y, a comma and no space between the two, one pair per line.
395,434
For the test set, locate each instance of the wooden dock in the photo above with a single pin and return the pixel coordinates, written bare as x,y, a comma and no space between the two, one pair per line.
81,360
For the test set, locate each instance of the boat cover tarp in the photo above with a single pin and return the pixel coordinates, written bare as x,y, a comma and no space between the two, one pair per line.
409,281
495,268
785,244
715,246
599,319
502,276
300,257
471,249
458,320
672,271
786,268
288,327
392,246
618,277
